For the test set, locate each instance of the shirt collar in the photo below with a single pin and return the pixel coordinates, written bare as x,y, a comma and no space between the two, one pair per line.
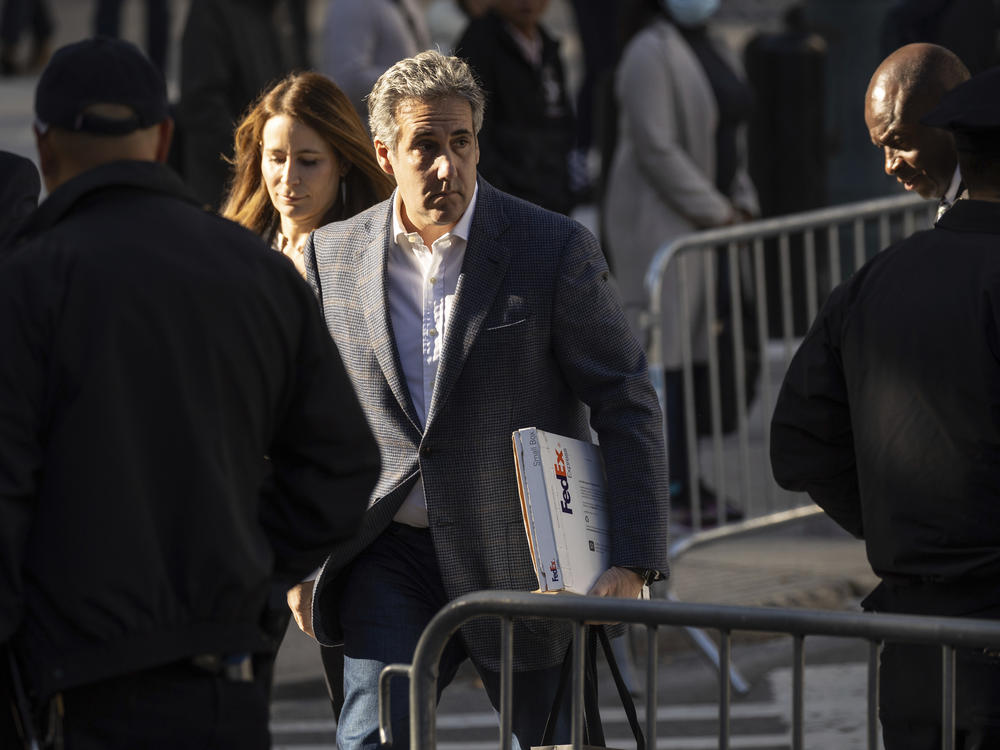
408,239
951,194
134,175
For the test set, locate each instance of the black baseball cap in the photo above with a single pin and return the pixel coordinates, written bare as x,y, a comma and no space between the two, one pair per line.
100,71
971,111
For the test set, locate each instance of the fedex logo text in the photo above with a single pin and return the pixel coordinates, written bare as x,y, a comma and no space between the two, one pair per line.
560,467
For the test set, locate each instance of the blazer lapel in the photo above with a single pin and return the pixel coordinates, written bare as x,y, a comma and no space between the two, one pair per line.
373,281
484,267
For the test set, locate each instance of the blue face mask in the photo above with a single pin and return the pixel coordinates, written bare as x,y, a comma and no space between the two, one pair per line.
691,12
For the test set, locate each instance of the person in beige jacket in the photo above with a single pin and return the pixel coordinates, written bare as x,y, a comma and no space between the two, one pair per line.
681,134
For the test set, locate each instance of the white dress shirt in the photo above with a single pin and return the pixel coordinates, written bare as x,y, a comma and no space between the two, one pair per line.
422,284
953,194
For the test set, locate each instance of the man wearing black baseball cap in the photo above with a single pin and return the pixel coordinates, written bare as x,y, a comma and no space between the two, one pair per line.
99,100
889,417
152,355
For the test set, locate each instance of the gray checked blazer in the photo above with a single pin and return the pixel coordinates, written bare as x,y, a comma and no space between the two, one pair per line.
536,336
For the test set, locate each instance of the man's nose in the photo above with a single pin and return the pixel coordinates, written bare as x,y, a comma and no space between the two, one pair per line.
446,166
891,160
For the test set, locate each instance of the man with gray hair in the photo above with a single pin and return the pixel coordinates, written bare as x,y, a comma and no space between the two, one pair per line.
463,314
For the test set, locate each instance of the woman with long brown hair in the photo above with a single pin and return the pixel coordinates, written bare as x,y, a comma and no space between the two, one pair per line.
302,159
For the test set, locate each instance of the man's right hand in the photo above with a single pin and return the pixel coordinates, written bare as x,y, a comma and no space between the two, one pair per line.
300,599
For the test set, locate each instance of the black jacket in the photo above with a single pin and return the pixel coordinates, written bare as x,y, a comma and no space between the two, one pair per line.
19,189
528,128
889,415
153,355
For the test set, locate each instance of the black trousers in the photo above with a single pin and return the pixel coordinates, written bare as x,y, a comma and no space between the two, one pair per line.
8,705
174,706
910,698
910,684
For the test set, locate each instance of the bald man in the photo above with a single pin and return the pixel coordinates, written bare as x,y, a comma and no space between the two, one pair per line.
887,417
907,85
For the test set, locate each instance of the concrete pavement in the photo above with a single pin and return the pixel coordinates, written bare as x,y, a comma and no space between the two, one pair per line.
810,563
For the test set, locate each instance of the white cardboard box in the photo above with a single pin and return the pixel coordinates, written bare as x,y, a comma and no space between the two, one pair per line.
564,503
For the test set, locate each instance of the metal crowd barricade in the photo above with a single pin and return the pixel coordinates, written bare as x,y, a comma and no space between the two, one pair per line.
847,236
949,633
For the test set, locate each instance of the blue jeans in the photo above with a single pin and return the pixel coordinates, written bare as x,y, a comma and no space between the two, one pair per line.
391,592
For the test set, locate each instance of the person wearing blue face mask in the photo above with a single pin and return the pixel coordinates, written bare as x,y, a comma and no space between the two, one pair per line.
679,166
691,13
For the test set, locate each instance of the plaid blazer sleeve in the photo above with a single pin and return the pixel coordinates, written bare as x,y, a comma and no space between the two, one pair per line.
607,370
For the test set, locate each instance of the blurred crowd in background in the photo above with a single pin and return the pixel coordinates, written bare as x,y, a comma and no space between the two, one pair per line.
804,61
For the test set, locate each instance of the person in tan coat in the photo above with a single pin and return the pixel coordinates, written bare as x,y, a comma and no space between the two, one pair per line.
679,166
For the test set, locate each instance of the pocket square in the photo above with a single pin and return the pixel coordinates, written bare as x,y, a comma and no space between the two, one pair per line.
512,311
501,326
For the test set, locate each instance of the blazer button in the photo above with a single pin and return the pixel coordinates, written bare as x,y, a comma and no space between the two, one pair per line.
425,451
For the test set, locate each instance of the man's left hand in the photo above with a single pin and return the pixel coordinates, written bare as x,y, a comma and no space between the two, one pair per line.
620,582
300,599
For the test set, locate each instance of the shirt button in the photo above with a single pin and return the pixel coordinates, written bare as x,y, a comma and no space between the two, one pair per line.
433,279
425,451
432,332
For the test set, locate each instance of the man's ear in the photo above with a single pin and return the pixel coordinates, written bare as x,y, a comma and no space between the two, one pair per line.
164,136
382,156
48,160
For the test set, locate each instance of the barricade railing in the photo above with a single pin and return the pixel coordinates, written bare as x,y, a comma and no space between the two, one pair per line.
722,276
948,633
